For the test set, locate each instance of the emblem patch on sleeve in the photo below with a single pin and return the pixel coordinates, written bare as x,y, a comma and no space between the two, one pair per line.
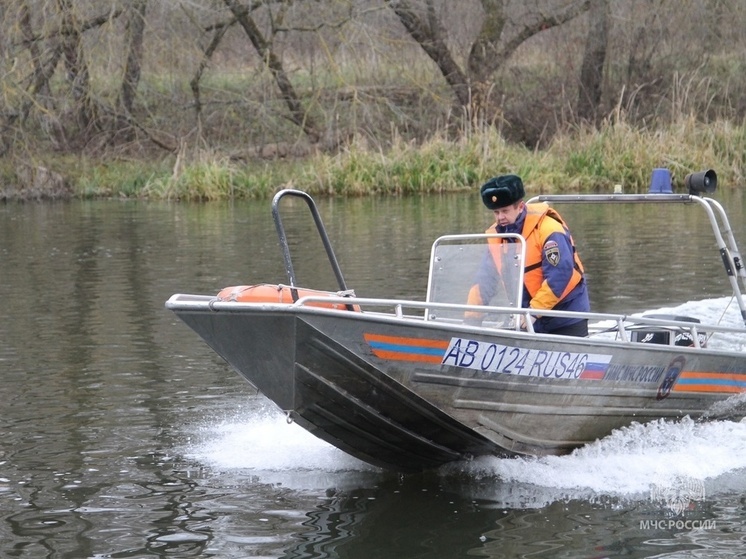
552,252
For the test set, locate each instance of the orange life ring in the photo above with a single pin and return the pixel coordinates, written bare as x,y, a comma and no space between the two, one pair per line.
269,293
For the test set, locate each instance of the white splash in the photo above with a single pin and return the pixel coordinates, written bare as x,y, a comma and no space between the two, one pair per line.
268,442
630,460
263,447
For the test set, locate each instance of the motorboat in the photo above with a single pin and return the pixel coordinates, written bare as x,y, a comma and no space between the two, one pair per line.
410,385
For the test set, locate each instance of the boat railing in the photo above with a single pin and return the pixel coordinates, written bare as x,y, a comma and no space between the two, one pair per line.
625,327
703,182
724,238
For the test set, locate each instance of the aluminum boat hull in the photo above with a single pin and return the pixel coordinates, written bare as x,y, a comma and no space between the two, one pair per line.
407,395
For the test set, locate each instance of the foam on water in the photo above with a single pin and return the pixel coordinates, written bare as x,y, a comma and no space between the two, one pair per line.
625,464
266,441
630,460
263,447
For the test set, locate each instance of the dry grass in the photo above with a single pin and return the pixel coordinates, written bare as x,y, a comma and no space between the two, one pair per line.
583,160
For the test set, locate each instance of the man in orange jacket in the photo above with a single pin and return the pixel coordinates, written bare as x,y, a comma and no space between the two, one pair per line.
553,273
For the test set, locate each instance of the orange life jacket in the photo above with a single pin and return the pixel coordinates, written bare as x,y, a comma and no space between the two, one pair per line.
540,222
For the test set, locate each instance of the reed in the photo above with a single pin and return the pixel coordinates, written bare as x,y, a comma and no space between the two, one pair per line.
577,160
619,153
112,179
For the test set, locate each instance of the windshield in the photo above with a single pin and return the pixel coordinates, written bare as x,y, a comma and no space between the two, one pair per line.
457,260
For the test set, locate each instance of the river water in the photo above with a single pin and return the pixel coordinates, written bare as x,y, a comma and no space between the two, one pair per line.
123,435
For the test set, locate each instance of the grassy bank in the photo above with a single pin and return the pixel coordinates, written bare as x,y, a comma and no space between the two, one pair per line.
579,160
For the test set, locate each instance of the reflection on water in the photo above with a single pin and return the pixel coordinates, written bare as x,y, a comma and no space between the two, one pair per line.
125,436
420,520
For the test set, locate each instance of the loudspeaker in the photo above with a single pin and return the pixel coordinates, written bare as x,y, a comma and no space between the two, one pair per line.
704,181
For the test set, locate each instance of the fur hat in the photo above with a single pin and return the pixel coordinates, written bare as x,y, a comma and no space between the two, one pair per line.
502,191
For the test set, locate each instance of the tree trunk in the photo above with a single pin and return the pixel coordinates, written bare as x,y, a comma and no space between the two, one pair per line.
594,58
424,27
218,32
133,65
40,80
38,91
75,65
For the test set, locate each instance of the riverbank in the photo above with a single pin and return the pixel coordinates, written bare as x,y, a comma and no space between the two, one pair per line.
579,160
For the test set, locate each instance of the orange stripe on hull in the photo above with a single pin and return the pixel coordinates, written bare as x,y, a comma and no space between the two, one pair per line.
708,388
397,356
440,344
706,381
397,348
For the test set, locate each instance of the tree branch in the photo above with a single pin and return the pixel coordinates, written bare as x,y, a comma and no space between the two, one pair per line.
63,30
429,34
264,48
219,31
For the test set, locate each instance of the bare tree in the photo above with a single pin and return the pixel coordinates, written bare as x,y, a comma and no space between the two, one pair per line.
497,39
332,69
76,67
39,78
37,82
66,113
217,34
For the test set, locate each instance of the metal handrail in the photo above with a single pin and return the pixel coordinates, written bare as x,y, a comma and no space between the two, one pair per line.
729,252
284,242
397,306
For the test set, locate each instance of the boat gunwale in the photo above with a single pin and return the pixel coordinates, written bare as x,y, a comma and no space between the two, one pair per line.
180,299
205,303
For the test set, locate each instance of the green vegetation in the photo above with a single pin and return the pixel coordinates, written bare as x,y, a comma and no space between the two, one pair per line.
580,160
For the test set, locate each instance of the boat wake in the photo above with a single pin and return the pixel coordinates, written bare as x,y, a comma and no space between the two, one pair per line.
625,465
